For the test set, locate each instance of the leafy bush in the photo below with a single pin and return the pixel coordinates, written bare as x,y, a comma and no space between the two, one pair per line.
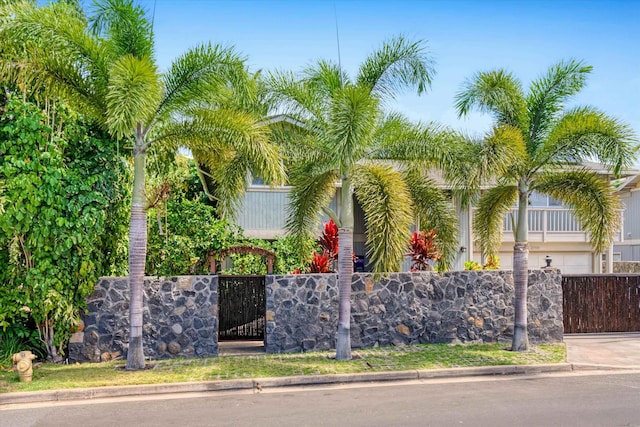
190,232
18,337
287,257
64,218
493,263
472,265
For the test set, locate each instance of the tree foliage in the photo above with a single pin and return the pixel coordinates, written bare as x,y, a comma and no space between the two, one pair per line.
288,257
183,228
102,62
349,137
537,144
65,223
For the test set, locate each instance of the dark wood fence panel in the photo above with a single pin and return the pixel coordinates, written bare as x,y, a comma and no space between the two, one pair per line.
601,303
241,307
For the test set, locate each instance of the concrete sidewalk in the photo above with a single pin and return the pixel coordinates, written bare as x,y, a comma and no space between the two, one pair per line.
601,351
584,351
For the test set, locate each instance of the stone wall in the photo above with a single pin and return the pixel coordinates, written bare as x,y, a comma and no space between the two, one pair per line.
409,308
181,313
180,319
625,267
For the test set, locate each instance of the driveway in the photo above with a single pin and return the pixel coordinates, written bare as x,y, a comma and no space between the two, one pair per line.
611,349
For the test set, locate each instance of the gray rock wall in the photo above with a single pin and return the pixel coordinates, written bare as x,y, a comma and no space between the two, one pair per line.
625,267
181,313
180,319
409,308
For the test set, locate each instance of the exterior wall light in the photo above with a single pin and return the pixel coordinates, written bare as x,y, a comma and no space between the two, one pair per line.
548,260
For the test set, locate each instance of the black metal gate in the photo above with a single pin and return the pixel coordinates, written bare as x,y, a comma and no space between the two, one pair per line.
241,307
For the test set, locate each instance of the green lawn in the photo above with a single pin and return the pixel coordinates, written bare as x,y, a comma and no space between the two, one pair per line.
430,356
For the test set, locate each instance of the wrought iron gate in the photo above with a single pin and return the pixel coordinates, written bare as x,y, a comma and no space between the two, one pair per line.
241,307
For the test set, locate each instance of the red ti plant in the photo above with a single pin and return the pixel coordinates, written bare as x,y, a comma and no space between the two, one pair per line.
323,262
424,250
329,241
319,263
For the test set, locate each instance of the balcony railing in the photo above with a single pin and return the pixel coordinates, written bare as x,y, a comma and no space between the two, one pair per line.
552,224
546,220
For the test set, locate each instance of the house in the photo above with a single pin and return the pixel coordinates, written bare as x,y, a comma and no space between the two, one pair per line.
627,247
554,233
553,230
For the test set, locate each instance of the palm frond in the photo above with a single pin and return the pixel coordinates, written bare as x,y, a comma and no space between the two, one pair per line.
434,211
583,133
352,123
498,93
500,155
548,94
125,26
241,133
231,144
591,198
229,176
325,77
386,202
200,75
397,65
487,220
295,97
134,93
48,46
312,191
399,139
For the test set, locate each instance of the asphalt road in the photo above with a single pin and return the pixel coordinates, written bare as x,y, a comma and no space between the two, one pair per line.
572,399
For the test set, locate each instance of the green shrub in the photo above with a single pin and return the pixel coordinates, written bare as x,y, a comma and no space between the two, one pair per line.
287,258
64,218
18,337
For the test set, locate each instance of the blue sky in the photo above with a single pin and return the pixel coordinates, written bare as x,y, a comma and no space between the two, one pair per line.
463,37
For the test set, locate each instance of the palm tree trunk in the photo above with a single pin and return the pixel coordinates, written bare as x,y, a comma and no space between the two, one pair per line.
137,258
521,273
345,271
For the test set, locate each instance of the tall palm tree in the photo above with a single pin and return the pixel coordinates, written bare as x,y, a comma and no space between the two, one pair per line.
104,65
536,144
348,139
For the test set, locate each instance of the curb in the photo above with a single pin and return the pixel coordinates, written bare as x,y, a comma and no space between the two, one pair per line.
601,367
261,383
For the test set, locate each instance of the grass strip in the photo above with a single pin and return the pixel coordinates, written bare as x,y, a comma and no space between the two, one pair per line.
48,376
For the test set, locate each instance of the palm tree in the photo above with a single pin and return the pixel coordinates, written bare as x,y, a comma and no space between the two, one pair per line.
536,144
104,65
346,137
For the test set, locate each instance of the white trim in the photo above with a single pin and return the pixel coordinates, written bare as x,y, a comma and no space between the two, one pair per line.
629,242
268,188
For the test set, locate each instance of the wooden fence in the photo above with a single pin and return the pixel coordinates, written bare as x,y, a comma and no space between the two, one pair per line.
601,303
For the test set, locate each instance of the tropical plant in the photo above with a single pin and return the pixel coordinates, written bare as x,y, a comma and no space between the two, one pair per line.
190,231
287,260
104,65
423,251
346,137
65,223
320,263
493,263
472,265
328,241
537,144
